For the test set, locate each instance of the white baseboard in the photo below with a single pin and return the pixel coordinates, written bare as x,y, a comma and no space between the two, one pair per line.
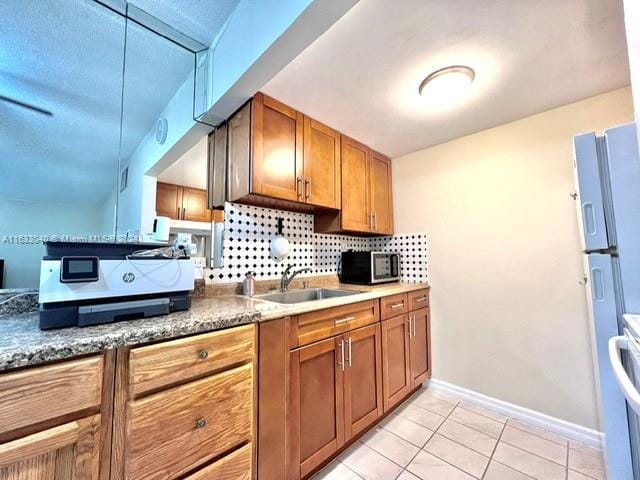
585,435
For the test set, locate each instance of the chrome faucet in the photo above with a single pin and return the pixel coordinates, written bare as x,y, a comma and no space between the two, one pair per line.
286,278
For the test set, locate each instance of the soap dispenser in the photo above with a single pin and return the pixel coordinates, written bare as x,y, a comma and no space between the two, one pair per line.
249,285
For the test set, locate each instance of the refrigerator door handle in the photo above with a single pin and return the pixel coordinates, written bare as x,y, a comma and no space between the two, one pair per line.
626,385
597,283
589,216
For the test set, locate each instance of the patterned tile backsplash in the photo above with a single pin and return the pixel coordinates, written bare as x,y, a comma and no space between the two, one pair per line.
249,230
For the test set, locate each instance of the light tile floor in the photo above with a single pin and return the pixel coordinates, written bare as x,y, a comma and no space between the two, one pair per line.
435,436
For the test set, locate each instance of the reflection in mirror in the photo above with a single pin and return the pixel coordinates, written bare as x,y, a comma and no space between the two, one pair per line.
60,159
157,112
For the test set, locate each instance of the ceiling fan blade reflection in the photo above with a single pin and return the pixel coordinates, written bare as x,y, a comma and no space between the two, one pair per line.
26,105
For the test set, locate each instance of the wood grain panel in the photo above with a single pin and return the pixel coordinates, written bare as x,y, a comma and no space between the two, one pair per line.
363,380
277,155
235,466
420,348
168,200
194,204
380,193
317,405
418,299
356,204
321,324
67,452
322,165
273,388
396,374
393,306
36,395
168,363
174,431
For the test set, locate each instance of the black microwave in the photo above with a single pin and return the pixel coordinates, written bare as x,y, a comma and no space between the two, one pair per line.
368,268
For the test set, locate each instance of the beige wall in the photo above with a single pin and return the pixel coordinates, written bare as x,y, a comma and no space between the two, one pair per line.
632,26
509,318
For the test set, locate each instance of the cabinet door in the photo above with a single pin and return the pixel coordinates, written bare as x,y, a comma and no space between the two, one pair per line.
317,405
362,379
67,452
194,205
276,149
321,165
168,200
381,196
356,212
420,348
396,374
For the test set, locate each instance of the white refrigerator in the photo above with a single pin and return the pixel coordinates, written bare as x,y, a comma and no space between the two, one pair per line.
608,180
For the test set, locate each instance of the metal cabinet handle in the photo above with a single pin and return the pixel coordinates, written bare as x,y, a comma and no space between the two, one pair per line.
375,221
421,299
341,361
203,354
370,220
307,189
201,423
414,324
396,305
299,186
344,320
349,344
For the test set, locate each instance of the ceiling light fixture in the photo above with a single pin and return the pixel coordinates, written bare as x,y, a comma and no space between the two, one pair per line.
447,85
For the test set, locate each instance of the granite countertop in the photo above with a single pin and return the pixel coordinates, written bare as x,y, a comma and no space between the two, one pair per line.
23,343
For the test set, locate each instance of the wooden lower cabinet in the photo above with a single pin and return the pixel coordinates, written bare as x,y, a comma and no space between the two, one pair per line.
419,347
336,393
67,452
396,360
316,422
362,379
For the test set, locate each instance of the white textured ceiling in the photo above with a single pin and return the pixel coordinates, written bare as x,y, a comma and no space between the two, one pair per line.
361,77
68,59
202,20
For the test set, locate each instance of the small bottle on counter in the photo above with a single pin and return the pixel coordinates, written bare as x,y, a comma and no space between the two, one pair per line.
249,285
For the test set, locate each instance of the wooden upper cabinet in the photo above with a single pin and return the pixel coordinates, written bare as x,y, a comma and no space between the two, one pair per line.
322,165
362,379
182,203
168,200
194,205
355,186
380,194
276,149
316,420
367,204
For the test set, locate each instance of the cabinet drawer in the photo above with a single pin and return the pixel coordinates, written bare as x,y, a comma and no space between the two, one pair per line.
235,466
418,299
393,306
39,394
172,432
314,326
168,363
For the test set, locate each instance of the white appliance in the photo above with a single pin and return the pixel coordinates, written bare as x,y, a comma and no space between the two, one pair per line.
85,284
608,178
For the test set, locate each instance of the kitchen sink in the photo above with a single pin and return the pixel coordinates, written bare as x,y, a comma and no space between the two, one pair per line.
305,295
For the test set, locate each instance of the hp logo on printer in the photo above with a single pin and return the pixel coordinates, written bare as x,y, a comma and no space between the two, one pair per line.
128,277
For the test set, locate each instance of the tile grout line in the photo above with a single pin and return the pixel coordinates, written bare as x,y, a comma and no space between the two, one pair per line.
420,449
495,447
350,469
566,470
444,460
533,454
512,425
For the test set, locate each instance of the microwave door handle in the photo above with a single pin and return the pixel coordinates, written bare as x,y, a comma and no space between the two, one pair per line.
616,344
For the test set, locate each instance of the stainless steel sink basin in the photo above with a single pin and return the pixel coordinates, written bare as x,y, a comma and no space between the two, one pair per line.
305,295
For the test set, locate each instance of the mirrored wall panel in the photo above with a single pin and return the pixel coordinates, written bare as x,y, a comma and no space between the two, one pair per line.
60,111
